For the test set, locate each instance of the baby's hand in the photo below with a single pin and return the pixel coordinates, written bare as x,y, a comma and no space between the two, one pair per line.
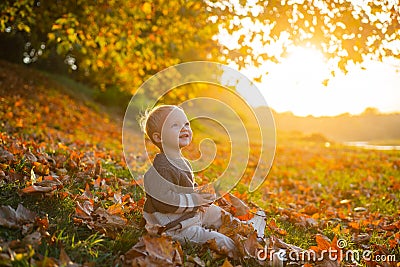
205,199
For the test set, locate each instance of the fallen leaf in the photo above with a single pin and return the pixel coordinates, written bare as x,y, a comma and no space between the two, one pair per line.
233,227
153,229
6,156
309,209
115,209
361,238
33,239
323,242
64,258
154,251
274,228
30,157
41,168
15,218
392,227
8,218
84,210
42,223
49,181
212,244
35,189
196,259
252,246
226,263
241,209
354,225
360,209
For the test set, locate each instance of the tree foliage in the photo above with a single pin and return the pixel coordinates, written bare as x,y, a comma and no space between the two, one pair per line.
115,43
344,30
121,43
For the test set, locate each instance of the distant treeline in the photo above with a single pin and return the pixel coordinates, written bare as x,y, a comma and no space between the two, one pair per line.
368,126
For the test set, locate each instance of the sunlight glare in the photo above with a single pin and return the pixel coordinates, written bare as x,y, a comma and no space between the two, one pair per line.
296,85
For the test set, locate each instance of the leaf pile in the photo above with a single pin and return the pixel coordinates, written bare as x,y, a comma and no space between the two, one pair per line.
340,192
52,149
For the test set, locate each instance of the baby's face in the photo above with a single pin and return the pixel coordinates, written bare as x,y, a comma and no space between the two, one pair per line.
176,132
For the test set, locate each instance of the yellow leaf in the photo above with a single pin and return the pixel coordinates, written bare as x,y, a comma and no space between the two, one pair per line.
51,36
70,31
55,27
146,7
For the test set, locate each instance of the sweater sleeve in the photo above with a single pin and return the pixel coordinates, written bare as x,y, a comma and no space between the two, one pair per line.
165,194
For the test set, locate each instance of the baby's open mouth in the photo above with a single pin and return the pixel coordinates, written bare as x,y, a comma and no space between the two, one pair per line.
184,135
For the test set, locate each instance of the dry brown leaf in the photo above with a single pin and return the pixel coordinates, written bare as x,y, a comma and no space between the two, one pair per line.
252,246
42,223
84,210
112,220
153,229
274,228
41,169
163,248
154,251
392,226
231,228
24,215
361,238
99,219
6,156
212,244
115,209
49,181
33,239
65,260
323,242
35,189
30,157
310,209
138,250
8,218
240,207
196,259
15,218
282,249
226,263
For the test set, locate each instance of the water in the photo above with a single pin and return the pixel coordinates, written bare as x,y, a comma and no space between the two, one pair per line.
366,145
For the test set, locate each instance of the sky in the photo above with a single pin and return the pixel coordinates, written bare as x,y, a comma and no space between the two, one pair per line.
295,85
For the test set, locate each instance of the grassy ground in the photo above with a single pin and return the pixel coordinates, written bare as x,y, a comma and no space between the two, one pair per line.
45,133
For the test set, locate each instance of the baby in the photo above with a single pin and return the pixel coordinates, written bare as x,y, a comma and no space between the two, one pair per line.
171,198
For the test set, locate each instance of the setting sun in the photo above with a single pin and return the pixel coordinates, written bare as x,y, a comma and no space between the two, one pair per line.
297,85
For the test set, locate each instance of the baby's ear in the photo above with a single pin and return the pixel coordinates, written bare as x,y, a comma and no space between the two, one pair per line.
156,137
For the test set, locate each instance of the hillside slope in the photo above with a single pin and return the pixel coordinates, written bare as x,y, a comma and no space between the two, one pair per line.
62,176
39,107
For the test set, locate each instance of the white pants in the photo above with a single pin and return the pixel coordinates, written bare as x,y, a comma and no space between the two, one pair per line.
197,229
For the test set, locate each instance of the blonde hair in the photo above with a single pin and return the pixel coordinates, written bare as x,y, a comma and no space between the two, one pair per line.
153,119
